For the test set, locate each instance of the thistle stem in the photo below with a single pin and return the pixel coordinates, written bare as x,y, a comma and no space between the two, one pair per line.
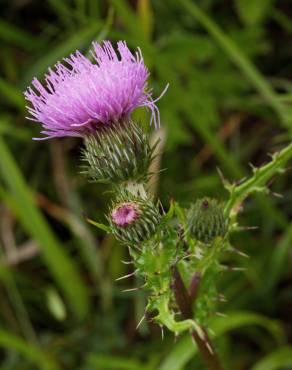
184,302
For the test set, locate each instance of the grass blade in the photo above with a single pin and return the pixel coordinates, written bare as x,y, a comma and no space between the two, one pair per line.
61,267
278,359
12,94
236,55
17,36
27,350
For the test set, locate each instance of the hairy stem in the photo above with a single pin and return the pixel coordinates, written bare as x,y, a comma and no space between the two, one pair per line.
258,181
184,302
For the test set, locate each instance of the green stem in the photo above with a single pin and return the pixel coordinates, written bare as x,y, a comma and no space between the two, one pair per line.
166,317
258,181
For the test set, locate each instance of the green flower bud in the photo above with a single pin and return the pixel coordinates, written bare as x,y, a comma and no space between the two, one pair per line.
133,220
206,220
118,153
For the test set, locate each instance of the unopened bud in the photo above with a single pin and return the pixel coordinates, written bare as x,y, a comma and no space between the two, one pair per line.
206,220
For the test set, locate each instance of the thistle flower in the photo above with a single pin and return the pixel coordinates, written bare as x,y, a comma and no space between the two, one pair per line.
80,96
206,220
118,154
133,220
125,214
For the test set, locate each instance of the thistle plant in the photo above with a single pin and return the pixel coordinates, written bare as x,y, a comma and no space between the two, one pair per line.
177,252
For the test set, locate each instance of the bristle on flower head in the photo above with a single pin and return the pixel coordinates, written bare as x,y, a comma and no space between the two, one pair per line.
118,154
80,97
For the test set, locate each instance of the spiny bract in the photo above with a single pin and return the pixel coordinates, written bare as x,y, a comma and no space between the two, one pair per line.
118,154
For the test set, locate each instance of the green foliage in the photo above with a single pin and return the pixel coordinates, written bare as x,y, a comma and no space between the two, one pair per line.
28,351
157,250
253,12
21,201
184,349
276,360
228,104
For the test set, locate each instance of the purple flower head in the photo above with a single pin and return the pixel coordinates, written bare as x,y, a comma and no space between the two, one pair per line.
82,96
125,214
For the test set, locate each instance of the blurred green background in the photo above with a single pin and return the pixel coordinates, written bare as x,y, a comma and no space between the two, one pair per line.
229,66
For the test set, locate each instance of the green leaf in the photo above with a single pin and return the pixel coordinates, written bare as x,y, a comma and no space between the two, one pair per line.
185,349
33,354
278,359
21,200
253,11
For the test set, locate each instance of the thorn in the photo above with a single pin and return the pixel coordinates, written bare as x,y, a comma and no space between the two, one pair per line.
162,332
242,254
237,269
236,251
246,228
224,181
254,168
130,290
209,348
187,256
229,268
222,178
126,276
277,195
127,262
200,332
140,322
238,182
222,298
